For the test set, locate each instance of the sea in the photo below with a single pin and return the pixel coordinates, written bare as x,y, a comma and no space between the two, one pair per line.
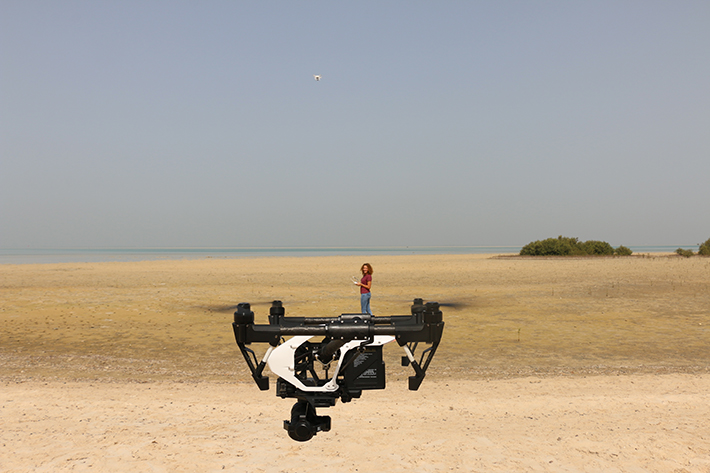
94,255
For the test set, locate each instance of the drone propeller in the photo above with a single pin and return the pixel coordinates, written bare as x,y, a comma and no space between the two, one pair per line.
218,308
227,308
455,304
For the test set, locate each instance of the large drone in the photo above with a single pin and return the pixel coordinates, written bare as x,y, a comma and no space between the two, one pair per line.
350,350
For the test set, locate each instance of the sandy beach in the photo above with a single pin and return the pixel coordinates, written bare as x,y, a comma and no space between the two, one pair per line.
579,364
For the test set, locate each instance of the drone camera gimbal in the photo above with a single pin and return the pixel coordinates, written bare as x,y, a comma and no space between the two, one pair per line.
346,361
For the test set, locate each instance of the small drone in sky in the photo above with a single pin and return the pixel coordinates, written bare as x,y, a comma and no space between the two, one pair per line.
331,358
316,77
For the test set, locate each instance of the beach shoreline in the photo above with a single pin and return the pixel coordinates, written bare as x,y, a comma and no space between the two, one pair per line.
105,255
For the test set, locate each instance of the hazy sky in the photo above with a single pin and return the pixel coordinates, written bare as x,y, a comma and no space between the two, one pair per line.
133,123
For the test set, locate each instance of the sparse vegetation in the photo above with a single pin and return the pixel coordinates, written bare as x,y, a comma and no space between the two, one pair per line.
566,246
705,248
622,251
686,253
593,247
560,246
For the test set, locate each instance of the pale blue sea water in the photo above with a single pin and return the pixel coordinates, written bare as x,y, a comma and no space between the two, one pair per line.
79,255
89,255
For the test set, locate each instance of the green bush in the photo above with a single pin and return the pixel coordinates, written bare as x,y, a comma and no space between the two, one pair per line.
593,247
686,253
566,246
623,251
560,246
705,248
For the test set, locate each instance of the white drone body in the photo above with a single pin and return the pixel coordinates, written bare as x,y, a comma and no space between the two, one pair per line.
281,361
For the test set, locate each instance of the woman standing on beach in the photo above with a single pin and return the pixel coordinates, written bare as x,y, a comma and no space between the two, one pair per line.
365,285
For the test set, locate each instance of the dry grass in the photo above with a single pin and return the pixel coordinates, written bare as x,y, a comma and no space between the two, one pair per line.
158,320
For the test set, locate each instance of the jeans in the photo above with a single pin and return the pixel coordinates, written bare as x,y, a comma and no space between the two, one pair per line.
365,303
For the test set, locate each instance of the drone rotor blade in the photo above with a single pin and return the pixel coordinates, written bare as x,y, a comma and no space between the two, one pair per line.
228,308
218,308
454,305
451,304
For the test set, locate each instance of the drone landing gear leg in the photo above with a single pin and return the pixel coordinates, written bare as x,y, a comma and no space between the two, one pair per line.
305,423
